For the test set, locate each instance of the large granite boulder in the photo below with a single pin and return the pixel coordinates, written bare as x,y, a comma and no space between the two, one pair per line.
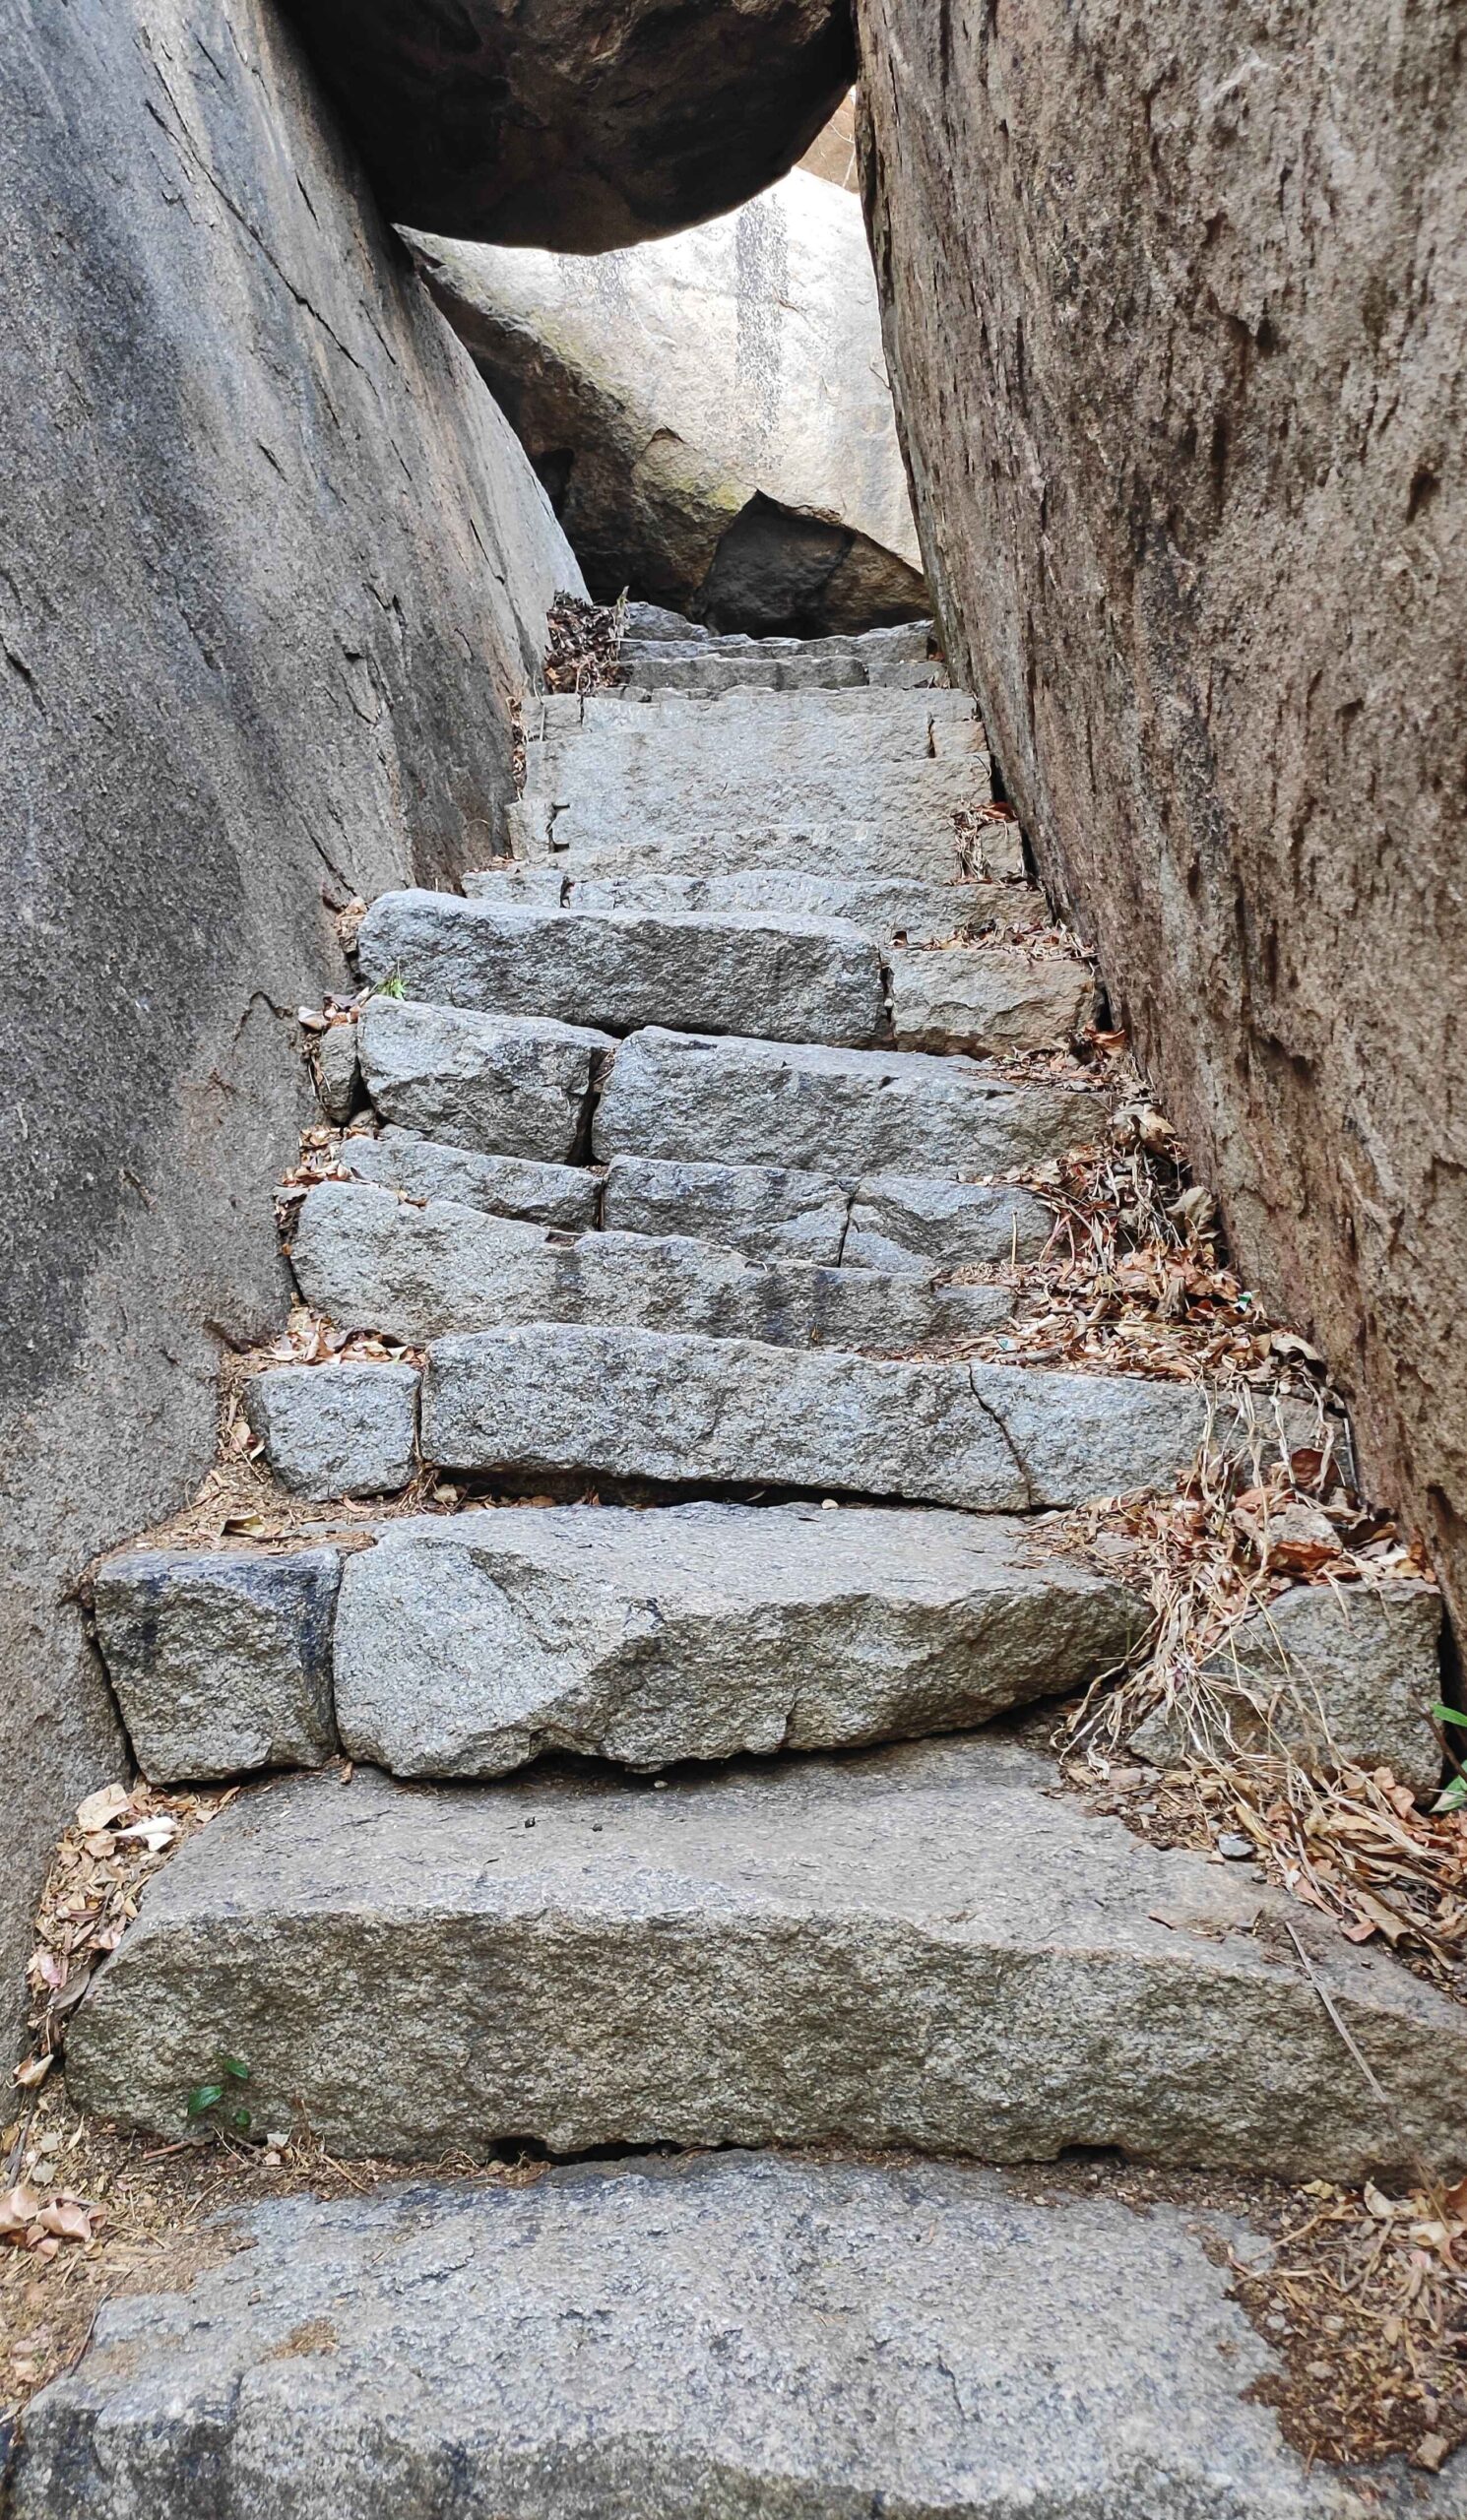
275,569
582,124
1176,308
709,413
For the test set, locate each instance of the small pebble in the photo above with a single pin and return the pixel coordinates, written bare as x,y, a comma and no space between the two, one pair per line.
1234,1847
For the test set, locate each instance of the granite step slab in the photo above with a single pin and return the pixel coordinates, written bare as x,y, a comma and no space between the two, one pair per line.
494,1084
369,1260
652,1405
220,1658
655,627
469,1644
563,1195
881,906
977,998
797,979
333,1430
701,1097
736,2335
900,1225
927,1947
723,840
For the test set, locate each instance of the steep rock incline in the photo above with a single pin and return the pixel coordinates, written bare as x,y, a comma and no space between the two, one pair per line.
272,567
1174,305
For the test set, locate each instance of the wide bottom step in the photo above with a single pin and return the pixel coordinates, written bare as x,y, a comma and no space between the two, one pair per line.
724,2339
926,1947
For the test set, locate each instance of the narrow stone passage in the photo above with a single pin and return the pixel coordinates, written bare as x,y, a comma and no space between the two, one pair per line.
675,1166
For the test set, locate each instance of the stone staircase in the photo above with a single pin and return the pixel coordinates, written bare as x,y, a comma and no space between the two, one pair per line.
672,1172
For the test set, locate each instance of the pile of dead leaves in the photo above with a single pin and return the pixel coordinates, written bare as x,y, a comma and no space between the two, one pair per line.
978,828
119,1838
583,644
1371,2293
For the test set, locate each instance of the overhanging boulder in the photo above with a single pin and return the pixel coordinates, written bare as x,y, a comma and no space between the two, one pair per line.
709,413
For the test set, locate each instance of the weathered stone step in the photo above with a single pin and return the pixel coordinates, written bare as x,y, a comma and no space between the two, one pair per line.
722,841
670,2340
922,1947
369,1261
494,1084
885,906
607,771
655,1405
701,1097
565,1195
890,1224
469,1644
796,980
465,1645
974,997
652,670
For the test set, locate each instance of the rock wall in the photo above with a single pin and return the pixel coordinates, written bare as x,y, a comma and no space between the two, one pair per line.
711,412
1176,303
272,567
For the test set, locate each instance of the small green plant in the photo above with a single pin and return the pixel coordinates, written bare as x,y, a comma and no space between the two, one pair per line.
392,987
1455,1798
218,2102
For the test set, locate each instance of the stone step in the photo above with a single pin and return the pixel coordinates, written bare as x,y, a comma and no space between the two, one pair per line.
565,1195
462,1645
333,1430
974,997
652,630
652,1405
607,771
649,671
669,2340
369,1261
714,1099
494,1084
883,907
898,847
771,1208
791,979
927,1947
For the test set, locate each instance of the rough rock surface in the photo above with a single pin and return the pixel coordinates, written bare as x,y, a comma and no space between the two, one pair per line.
904,1220
710,413
971,999
274,570
761,1209
606,773
338,1074
369,1261
221,1657
925,913
691,1096
497,1085
574,124
1177,312
1329,1673
337,1431
910,2339
922,1947
504,1185
470,1643
791,979
656,1404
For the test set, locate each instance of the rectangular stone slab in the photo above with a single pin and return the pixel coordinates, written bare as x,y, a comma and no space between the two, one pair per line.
566,1195
754,1208
920,1222
468,1644
496,1084
922,1947
881,906
722,841
963,998
651,1404
220,1658
337,1430
370,1261
908,2339
680,1095
793,980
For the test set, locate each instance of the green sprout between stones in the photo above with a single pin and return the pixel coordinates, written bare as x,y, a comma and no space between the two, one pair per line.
1455,1795
208,2097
